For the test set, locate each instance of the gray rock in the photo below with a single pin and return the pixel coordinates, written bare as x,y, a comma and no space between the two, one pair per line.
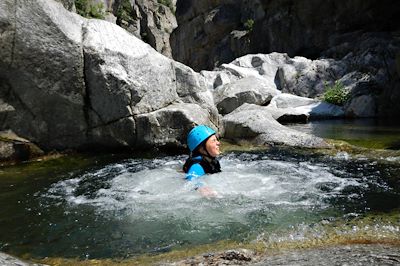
41,66
362,89
247,90
8,260
304,77
256,124
372,254
68,4
361,106
69,82
291,108
15,149
169,126
297,28
157,23
228,257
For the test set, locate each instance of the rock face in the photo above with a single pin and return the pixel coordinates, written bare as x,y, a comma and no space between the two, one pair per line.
294,27
205,32
359,36
69,82
150,20
36,71
156,25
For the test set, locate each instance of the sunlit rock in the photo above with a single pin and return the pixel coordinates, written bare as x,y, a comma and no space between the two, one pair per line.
246,90
41,72
169,126
256,123
71,82
291,108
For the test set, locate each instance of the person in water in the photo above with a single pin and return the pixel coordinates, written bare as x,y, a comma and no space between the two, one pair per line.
204,148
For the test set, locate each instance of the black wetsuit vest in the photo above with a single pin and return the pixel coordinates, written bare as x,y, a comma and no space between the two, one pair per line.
210,165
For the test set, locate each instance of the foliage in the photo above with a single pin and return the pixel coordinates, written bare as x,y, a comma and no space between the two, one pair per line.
249,25
124,12
167,3
335,94
89,9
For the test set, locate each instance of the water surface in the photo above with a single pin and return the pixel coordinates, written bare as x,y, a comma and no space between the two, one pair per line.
121,208
369,133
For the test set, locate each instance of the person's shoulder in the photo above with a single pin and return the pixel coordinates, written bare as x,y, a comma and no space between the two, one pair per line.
195,171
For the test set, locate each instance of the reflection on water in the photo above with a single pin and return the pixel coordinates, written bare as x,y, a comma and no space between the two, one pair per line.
137,206
370,133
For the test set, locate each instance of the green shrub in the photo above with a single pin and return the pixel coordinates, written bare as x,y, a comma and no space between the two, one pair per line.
249,24
335,94
89,9
124,12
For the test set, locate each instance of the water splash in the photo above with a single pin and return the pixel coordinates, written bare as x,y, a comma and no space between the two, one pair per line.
139,206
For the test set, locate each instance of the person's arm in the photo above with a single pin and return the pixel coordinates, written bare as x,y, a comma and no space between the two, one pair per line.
194,174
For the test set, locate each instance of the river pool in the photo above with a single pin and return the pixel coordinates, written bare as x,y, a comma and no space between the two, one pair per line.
122,207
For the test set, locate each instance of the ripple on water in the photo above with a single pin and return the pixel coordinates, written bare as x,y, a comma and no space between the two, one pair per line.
150,206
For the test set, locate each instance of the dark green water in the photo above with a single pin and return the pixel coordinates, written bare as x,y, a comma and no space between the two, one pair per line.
122,207
369,133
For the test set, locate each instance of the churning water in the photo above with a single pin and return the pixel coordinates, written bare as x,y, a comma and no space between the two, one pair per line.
141,206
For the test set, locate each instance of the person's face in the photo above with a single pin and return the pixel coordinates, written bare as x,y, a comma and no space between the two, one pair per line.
212,146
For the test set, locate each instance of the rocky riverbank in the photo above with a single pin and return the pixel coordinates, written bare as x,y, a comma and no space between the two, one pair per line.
7,260
76,83
357,254
372,254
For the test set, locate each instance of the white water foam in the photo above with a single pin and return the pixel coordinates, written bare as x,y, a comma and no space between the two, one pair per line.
157,188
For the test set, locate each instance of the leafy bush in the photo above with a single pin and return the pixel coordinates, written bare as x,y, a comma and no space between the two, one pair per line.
89,9
124,12
249,25
335,94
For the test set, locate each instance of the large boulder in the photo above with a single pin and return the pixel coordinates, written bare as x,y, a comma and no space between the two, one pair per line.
41,73
170,125
298,76
247,90
256,124
70,82
291,108
307,78
15,149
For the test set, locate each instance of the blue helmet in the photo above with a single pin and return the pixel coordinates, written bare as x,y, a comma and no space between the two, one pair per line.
197,135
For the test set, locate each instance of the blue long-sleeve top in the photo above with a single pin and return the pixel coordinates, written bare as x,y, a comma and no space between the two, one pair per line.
195,171
197,166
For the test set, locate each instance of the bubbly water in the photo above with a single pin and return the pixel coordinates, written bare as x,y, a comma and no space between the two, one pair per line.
137,206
